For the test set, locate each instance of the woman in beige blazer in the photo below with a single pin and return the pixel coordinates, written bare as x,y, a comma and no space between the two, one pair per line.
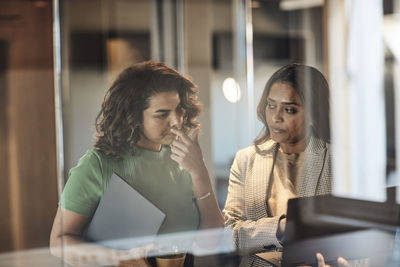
290,158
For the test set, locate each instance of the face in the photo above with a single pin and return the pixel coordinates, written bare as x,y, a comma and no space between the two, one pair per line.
164,112
285,115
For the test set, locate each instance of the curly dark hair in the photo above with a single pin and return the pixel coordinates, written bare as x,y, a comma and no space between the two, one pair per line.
120,119
313,89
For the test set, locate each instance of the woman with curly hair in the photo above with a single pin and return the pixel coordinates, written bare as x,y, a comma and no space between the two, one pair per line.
143,136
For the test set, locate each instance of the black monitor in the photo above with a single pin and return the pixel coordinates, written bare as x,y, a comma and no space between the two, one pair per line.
337,226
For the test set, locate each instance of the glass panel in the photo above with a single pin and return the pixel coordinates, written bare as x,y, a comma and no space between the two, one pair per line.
277,37
28,188
360,169
391,24
95,49
230,48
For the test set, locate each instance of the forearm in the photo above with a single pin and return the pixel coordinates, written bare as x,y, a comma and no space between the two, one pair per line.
252,236
75,251
186,151
78,252
210,214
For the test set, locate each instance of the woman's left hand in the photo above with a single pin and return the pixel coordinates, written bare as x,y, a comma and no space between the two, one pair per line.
186,151
341,262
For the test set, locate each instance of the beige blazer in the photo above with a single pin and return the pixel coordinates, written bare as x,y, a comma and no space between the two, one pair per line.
246,206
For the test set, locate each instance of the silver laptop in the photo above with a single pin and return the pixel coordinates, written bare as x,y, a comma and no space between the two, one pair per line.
124,218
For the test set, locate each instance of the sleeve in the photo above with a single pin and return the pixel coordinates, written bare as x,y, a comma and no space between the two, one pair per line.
250,235
84,187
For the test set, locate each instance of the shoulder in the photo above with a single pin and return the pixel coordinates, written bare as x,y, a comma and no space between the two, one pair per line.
91,159
92,155
245,154
86,184
317,145
94,164
249,154
90,162
97,156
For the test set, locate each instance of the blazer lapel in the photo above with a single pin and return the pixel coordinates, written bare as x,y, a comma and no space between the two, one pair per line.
261,172
312,168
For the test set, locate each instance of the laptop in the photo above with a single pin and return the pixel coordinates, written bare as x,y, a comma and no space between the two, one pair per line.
334,226
124,218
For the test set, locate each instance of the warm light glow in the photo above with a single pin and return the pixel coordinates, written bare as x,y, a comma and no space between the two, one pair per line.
231,90
391,28
255,4
299,4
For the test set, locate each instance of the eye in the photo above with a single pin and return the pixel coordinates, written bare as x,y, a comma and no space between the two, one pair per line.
162,116
290,110
271,105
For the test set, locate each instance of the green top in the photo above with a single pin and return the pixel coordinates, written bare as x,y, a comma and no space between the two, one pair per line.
153,174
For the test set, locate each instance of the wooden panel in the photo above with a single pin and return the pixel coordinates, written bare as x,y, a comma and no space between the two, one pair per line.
31,127
5,223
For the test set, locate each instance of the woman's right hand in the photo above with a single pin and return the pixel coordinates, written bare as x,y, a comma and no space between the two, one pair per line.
135,253
135,257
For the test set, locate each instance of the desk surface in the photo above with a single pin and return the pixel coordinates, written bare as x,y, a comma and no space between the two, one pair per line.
272,257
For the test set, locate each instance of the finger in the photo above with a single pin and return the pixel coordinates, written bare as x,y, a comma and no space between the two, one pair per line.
182,135
342,262
177,152
179,145
179,148
176,158
321,261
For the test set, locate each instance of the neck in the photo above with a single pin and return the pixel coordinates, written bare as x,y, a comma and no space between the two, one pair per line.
146,144
294,148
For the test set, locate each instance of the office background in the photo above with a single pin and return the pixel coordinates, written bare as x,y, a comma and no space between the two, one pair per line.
71,51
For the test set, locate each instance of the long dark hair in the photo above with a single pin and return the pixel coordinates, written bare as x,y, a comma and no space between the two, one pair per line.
312,87
120,119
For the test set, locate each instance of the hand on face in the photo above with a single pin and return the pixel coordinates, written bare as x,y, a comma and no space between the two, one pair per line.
186,151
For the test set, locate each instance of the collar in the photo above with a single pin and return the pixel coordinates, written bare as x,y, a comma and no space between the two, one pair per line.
315,145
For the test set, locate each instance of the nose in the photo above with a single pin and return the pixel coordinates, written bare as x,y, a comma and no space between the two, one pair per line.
277,116
175,121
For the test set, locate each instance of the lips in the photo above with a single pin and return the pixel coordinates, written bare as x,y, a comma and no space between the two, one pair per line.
277,130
